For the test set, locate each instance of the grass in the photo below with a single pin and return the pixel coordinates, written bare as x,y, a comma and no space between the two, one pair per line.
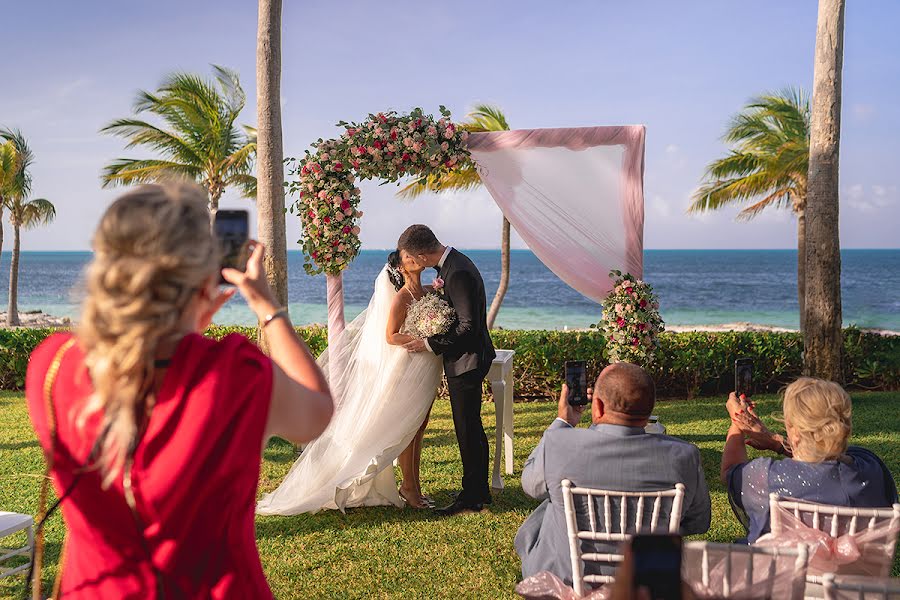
391,553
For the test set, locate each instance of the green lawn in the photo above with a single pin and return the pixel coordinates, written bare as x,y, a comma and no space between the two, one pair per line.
390,553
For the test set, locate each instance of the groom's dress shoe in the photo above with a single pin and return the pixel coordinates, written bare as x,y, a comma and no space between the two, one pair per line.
460,508
455,495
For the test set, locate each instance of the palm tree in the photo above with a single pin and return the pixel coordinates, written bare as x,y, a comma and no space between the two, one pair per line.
767,167
822,339
22,213
198,139
270,159
9,166
483,117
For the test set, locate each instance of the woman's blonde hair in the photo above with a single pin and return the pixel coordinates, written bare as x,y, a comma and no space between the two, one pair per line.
819,412
153,250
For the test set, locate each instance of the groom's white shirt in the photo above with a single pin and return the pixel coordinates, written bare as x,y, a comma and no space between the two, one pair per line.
440,266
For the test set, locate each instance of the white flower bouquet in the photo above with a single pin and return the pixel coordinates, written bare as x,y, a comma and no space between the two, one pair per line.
429,316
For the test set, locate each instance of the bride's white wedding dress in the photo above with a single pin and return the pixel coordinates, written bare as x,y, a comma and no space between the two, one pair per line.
382,394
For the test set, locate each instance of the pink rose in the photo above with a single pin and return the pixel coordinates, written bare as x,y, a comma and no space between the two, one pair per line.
355,231
346,229
620,322
445,146
348,212
345,205
629,290
407,142
322,195
432,131
619,308
438,283
326,220
448,133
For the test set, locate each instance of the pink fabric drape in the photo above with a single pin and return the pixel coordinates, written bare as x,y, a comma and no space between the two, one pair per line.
575,195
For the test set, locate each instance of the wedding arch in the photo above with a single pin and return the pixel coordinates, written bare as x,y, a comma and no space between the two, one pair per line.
574,195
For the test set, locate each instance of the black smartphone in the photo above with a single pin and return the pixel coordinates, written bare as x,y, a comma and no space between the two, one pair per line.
743,377
232,228
657,565
576,380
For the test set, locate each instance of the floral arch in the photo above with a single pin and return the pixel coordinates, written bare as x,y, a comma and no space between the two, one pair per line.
574,195
386,146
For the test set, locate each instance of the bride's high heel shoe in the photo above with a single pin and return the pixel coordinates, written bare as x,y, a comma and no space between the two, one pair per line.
421,505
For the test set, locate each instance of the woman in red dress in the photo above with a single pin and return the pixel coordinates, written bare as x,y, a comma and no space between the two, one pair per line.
156,431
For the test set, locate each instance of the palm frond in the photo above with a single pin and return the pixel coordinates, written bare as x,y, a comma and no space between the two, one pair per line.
779,198
127,171
20,186
487,117
245,182
36,212
142,133
461,179
9,165
769,160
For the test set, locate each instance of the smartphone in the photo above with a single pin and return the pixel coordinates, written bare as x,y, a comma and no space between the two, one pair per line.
232,228
576,379
657,565
743,377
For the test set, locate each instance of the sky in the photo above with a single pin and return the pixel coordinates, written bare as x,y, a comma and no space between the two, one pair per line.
680,68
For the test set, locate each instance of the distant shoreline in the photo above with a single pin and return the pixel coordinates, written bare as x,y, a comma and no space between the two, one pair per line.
39,319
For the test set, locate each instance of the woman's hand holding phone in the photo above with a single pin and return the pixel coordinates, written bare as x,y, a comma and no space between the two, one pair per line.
252,283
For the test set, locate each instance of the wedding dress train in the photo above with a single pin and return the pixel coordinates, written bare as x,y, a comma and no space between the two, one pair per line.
382,395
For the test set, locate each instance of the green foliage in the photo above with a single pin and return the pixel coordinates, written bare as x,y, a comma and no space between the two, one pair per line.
688,364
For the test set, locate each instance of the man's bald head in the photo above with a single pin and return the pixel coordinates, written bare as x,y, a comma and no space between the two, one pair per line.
627,390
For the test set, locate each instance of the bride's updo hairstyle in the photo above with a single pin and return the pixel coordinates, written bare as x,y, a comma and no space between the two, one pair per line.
395,274
153,250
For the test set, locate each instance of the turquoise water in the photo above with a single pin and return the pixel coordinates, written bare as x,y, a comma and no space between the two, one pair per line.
696,287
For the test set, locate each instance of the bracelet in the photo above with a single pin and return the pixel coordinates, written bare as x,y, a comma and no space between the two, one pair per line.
281,312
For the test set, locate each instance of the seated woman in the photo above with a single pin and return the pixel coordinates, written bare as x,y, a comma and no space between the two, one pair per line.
820,466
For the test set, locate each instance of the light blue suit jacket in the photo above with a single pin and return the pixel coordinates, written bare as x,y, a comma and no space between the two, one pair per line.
610,457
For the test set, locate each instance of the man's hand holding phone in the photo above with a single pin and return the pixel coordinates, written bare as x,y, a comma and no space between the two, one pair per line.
569,413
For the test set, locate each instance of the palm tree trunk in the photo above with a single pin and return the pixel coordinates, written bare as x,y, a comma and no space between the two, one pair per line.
801,264
12,311
214,196
504,276
269,151
1,226
822,337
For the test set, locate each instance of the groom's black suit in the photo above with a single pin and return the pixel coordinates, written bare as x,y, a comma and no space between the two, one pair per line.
467,351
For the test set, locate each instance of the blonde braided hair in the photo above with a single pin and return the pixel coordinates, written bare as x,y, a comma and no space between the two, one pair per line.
153,250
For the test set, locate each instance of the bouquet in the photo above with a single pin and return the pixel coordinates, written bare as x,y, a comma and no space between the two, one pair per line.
429,316
631,321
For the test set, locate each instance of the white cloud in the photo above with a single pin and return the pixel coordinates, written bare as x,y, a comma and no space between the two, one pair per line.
659,207
878,197
672,149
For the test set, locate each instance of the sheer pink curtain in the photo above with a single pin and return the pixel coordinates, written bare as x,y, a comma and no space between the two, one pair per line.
575,195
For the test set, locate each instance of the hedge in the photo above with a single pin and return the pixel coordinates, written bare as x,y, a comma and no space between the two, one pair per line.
689,363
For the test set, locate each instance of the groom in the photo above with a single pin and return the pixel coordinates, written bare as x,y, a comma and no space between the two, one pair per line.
467,351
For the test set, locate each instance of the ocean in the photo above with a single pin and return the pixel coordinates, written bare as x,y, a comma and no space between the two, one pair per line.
695,287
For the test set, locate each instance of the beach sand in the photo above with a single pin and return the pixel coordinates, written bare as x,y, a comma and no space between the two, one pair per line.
36,319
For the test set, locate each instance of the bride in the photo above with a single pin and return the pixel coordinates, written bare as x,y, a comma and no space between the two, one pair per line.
383,396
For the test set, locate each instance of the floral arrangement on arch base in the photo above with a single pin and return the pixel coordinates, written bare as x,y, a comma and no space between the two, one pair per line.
631,321
387,146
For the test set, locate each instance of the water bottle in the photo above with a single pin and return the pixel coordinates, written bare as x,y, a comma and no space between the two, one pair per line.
654,426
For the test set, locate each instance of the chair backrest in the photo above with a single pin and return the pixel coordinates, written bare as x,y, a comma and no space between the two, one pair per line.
737,570
623,515
860,588
855,541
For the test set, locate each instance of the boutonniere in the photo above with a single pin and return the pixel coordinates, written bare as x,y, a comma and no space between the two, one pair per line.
438,285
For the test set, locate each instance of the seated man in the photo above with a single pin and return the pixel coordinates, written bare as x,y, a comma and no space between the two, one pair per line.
615,453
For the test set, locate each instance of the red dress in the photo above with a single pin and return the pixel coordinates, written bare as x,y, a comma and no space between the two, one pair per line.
194,477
